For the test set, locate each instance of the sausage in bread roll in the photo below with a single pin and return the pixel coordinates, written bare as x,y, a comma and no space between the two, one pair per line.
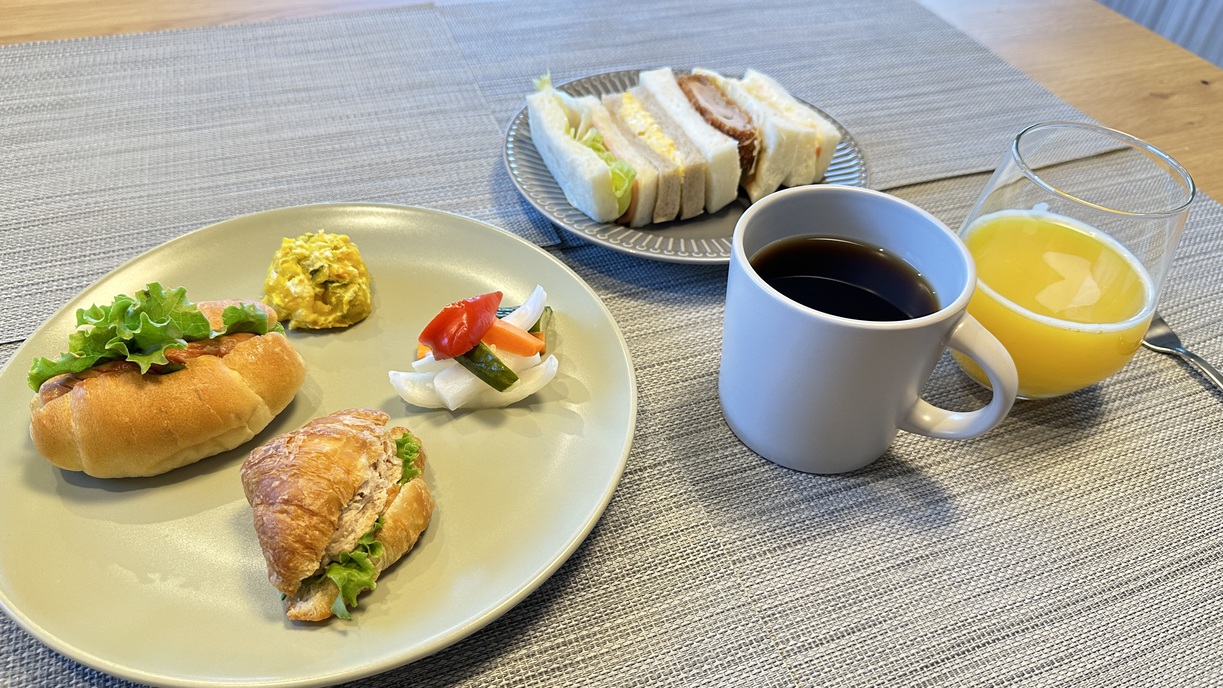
154,382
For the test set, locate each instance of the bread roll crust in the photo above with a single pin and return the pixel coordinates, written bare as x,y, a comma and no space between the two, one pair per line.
130,425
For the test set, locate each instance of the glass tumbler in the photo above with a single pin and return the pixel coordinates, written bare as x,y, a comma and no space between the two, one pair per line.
1072,237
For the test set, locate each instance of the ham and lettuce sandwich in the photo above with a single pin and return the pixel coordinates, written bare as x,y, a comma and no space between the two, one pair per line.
594,179
152,382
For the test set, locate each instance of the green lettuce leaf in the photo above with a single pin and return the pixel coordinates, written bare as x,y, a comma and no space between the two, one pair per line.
408,449
353,572
245,318
141,328
622,173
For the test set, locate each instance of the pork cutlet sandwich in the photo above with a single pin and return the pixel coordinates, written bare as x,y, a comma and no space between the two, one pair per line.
674,147
153,382
335,503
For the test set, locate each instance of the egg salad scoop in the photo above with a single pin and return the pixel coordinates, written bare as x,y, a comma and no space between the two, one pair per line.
318,281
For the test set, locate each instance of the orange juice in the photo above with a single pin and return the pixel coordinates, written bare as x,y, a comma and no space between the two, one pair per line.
1068,302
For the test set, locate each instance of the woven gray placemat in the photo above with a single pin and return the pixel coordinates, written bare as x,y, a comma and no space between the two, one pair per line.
1078,545
113,146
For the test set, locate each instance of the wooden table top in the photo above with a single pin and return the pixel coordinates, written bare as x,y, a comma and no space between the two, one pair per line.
1105,65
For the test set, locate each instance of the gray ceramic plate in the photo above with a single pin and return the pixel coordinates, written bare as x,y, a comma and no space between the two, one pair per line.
703,239
160,580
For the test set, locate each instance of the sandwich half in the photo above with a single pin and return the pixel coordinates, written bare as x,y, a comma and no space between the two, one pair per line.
335,503
640,113
706,91
643,207
779,141
721,151
592,178
819,136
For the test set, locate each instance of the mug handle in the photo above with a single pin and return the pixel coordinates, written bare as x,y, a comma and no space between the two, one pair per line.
971,339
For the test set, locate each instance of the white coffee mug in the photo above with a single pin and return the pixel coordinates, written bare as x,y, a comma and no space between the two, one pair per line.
826,394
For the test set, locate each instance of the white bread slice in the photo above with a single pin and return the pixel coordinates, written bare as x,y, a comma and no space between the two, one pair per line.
722,152
820,138
668,180
641,114
624,145
582,175
780,139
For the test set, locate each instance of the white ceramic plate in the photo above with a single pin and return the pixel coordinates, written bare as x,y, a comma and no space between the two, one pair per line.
160,580
702,239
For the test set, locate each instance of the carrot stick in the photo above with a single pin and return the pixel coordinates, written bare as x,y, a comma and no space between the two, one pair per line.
513,339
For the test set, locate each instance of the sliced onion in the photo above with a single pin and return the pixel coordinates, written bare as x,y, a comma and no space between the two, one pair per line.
429,364
416,389
526,315
517,363
455,387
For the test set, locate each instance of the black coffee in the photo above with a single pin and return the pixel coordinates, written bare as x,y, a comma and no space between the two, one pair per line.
845,278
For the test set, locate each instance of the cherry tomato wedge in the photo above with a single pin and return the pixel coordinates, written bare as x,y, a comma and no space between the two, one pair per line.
459,327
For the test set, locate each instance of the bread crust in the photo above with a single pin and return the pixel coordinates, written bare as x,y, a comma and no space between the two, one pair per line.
693,172
299,484
130,425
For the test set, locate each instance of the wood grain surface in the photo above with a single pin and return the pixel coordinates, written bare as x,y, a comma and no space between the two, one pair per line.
1112,69
1107,66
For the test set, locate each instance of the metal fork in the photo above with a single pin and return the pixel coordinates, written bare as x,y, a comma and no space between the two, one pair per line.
1161,338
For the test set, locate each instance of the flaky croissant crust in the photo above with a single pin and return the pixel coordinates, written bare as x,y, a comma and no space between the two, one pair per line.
299,483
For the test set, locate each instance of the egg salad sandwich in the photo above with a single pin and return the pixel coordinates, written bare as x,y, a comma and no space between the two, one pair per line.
640,113
656,193
720,151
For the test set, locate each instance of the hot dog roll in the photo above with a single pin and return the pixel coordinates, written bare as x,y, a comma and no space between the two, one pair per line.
335,503
150,412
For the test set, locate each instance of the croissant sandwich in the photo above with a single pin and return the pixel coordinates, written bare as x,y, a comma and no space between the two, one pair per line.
154,382
335,503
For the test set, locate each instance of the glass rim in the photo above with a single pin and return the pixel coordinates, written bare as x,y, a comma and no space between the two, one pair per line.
1122,137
